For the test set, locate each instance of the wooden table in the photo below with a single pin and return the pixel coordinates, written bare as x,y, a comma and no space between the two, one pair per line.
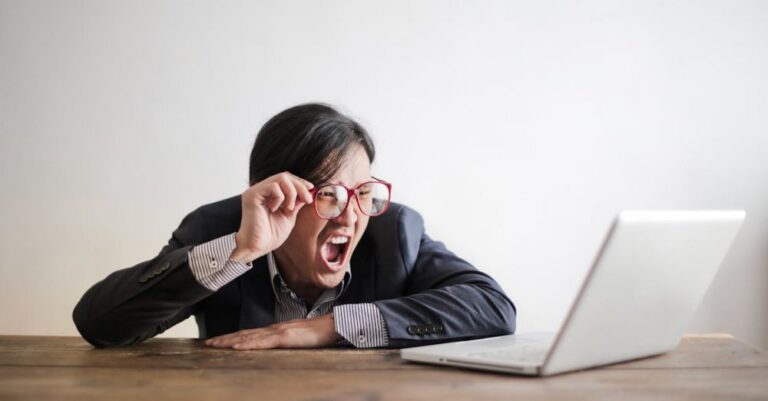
704,367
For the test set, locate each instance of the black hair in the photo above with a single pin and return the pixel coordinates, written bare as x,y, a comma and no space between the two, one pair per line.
310,140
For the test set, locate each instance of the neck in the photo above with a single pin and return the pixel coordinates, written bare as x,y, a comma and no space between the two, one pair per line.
293,280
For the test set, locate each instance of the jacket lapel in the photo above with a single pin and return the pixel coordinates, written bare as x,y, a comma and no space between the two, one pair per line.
258,299
363,284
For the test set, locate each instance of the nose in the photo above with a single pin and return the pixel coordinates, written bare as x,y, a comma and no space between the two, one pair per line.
350,214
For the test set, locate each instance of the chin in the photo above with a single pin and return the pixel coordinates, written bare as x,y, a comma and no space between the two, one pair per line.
330,280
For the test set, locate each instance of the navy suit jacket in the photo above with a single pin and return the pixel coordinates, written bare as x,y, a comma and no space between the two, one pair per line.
425,293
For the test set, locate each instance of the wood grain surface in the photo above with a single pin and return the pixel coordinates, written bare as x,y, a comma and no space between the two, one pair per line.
704,367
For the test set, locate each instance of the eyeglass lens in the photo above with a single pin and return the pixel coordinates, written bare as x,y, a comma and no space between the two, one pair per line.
372,197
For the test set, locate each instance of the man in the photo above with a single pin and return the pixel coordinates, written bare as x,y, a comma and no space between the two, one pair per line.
311,254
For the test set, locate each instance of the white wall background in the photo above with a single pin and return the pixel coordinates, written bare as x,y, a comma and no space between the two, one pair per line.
518,129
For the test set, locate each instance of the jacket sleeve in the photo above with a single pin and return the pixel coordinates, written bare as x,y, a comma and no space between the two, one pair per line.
140,302
446,299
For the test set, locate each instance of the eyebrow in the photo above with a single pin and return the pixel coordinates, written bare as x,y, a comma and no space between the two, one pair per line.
370,179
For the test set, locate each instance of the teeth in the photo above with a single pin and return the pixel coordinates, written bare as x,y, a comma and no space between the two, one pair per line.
339,240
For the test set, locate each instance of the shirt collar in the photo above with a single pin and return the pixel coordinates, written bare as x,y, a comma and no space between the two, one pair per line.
278,283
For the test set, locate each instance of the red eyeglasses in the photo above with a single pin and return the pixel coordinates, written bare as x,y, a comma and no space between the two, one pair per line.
331,200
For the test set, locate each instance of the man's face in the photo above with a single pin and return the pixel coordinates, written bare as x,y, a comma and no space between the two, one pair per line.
308,257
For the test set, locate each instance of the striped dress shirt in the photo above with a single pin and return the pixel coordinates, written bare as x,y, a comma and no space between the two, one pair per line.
361,325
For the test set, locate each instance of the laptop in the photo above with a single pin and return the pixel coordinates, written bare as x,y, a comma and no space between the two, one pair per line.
643,287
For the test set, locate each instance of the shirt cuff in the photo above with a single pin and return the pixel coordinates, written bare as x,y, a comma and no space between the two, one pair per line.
361,324
210,262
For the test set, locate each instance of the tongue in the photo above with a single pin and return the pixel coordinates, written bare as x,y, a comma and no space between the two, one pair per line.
332,251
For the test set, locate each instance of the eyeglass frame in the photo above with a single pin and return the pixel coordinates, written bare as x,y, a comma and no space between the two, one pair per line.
351,194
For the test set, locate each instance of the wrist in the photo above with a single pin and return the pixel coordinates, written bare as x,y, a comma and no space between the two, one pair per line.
337,338
330,328
243,256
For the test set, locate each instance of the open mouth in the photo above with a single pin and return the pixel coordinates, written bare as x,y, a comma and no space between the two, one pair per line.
334,250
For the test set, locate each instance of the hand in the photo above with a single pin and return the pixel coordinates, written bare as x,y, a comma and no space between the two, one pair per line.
300,333
269,214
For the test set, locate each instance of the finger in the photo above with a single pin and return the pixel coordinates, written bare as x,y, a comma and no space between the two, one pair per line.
276,197
268,341
301,188
226,342
303,192
224,338
219,338
303,182
289,190
220,341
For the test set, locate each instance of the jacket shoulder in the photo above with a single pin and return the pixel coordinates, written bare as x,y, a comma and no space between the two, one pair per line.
400,228
224,209
398,219
210,221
